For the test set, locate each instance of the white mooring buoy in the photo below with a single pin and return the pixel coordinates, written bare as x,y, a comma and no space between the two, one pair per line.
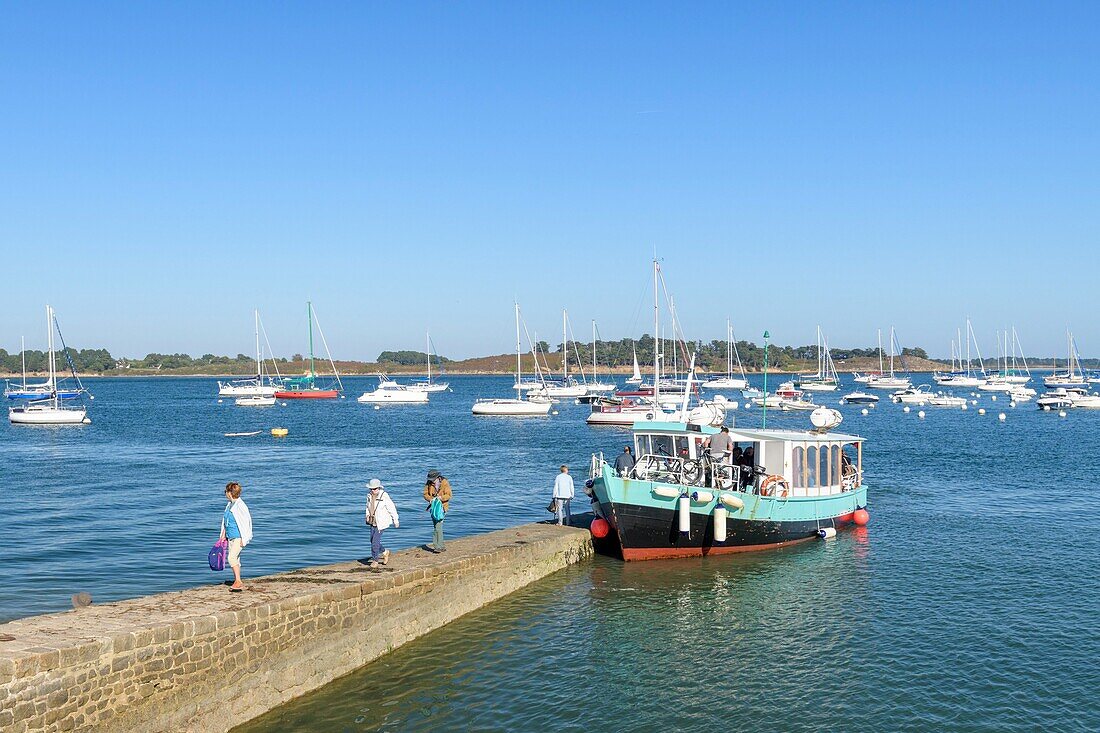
921,414
1001,417
1061,413
905,409
863,411
981,410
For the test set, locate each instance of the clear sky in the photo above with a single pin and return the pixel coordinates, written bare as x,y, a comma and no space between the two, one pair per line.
166,167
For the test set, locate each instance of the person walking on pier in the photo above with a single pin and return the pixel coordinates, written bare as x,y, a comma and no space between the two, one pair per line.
437,492
381,514
563,495
237,529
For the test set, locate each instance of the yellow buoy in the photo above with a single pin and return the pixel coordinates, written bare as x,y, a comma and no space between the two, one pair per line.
279,432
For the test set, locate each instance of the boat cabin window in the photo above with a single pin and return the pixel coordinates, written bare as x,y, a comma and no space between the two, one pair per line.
816,469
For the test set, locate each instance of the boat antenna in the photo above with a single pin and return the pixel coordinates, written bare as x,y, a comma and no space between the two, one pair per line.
764,419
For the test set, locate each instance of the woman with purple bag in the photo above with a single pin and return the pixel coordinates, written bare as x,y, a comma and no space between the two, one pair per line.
237,530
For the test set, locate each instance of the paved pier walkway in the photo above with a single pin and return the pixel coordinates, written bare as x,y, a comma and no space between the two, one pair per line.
172,661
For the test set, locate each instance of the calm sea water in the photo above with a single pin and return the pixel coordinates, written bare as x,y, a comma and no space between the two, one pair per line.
969,603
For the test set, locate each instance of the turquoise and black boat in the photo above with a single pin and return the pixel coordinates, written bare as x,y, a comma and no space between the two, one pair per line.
778,487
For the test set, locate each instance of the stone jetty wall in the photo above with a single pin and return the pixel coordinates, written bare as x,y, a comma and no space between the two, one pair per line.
206,660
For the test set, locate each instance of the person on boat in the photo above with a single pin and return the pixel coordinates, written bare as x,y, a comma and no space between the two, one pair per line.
563,495
624,464
748,464
437,487
237,530
381,514
719,446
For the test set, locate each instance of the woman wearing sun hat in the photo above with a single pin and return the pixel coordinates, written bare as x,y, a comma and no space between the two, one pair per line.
381,514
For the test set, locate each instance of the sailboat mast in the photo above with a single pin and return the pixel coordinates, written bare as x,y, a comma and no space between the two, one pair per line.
880,351
428,344
656,341
729,350
23,353
259,366
52,364
519,370
309,315
594,351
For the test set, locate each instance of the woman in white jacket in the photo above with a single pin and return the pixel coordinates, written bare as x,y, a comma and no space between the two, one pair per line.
381,514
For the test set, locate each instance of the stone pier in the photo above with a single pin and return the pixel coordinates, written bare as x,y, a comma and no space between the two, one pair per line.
174,661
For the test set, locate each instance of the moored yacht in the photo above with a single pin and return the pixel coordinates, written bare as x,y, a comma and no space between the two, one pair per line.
390,392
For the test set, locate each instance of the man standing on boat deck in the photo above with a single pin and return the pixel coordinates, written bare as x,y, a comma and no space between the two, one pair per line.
563,495
437,487
720,447
624,464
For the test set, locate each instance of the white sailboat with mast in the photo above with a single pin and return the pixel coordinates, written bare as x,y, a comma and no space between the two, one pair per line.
262,385
515,406
1074,376
968,377
636,377
826,379
428,385
729,381
567,386
892,380
53,408
596,386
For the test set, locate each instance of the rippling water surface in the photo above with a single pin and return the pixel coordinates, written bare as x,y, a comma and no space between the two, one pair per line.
969,603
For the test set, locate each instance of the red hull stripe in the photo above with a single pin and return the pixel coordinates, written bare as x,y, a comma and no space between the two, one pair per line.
308,395
661,553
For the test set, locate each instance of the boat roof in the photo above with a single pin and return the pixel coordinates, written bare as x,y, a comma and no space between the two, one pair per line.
801,436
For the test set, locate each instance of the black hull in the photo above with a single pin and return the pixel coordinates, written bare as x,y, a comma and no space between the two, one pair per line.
648,533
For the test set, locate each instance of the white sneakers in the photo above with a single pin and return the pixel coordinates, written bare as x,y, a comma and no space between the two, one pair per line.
385,556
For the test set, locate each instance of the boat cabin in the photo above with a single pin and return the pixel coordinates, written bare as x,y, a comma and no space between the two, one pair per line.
810,464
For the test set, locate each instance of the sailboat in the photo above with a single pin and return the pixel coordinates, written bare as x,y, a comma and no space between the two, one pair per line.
729,381
52,408
42,390
596,386
883,381
960,377
514,406
262,385
1073,377
628,411
427,385
825,380
567,386
305,387
636,377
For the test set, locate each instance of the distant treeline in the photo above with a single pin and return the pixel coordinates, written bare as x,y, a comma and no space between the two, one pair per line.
410,358
712,355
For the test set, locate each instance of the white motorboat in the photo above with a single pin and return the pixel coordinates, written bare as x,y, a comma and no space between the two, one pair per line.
786,398
262,385
55,408
859,398
918,395
1059,398
428,385
1021,394
729,381
1085,400
392,393
997,383
514,406
255,401
946,400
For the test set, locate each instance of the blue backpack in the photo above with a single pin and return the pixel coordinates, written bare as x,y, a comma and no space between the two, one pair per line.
436,510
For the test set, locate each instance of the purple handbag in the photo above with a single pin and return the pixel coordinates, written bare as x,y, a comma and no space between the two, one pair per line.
218,554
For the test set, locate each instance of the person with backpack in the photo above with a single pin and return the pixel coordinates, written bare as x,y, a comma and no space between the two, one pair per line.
381,515
437,492
237,530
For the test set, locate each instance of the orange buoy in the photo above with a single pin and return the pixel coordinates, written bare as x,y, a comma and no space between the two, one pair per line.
861,517
599,528
846,517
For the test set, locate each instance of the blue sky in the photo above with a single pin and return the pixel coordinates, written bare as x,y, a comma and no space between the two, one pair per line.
166,167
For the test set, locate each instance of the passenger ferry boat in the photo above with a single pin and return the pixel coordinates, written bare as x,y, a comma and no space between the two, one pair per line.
676,503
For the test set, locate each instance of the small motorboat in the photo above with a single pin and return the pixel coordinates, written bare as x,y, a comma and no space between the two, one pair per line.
859,398
918,395
255,401
1021,394
946,400
390,392
1059,398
